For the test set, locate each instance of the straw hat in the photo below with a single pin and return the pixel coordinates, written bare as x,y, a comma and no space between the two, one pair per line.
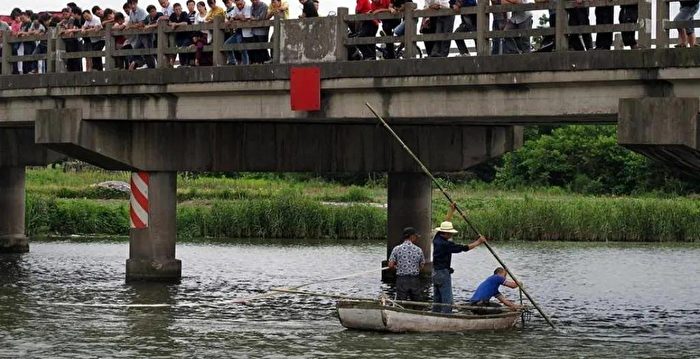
446,227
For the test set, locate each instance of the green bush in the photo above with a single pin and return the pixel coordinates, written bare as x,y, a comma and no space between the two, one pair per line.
585,159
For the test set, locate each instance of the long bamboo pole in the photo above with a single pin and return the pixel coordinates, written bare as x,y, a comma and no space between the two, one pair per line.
272,293
459,210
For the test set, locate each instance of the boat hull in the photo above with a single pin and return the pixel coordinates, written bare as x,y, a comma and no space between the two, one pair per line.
376,317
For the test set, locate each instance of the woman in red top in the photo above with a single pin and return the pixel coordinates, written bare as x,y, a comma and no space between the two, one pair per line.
388,25
367,28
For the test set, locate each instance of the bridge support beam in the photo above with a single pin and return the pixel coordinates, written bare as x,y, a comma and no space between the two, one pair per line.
152,249
665,129
17,150
410,205
12,237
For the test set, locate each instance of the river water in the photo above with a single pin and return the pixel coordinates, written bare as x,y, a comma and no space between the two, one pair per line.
68,299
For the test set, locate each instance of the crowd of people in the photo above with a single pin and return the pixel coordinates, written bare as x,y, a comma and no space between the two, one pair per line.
81,30
515,20
85,26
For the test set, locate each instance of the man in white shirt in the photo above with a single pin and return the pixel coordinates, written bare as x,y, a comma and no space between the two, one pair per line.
93,24
518,20
439,25
239,13
166,8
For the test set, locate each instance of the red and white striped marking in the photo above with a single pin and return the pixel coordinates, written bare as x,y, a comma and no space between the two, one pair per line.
138,205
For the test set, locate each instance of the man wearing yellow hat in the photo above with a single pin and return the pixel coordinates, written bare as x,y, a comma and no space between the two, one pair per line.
443,247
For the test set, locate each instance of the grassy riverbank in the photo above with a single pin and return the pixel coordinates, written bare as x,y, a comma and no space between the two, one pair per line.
298,207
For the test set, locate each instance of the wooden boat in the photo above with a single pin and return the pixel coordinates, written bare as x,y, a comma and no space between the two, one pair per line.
373,315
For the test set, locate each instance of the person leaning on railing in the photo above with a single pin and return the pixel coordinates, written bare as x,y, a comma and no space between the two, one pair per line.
518,20
308,9
41,26
66,27
239,13
686,36
399,6
366,28
214,11
498,24
439,25
182,39
629,15
15,26
278,9
604,15
388,25
468,24
26,29
93,24
260,34
137,20
201,38
578,16
121,42
4,29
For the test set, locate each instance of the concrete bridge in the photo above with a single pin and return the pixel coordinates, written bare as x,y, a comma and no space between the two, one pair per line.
454,112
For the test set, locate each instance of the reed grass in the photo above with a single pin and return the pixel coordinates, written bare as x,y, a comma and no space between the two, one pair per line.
272,207
291,215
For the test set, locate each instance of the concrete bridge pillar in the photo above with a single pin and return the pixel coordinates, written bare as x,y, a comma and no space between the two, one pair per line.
12,238
152,249
410,205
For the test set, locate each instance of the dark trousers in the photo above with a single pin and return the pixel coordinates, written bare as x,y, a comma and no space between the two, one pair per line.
120,62
73,65
548,42
388,26
628,14
184,42
468,25
579,42
29,66
443,25
262,55
368,29
499,23
488,308
604,15
409,288
97,45
202,58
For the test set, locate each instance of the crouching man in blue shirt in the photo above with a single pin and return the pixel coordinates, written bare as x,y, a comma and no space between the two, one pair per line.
489,288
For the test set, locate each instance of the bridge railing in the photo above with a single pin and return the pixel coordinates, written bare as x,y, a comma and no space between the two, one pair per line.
164,44
164,48
483,35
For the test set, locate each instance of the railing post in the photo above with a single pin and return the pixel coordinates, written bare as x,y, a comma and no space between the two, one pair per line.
409,34
341,33
561,26
162,46
483,47
60,52
276,43
617,42
6,53
662,13
109,49
645,23
218,42
51,50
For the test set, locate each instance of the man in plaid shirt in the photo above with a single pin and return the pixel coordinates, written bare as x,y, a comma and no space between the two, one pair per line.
407,258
